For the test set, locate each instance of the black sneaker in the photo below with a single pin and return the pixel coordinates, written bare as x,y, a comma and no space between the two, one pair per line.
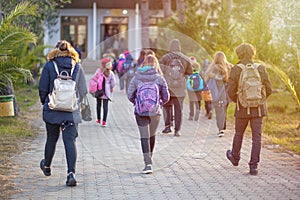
71,181
177,134
46,170
148,169
231,159
167,130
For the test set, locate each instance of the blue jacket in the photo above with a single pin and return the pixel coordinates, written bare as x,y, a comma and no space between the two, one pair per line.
46,85
148,74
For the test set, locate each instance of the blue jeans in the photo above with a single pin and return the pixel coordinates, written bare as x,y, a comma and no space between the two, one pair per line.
256,129
122,82
147,127
69,134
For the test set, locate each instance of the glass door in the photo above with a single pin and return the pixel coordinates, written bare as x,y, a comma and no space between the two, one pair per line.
74,30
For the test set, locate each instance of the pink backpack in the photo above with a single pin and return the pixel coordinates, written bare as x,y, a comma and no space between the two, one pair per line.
120,65
96,82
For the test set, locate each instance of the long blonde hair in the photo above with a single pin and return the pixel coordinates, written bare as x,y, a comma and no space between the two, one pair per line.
151,60
220,61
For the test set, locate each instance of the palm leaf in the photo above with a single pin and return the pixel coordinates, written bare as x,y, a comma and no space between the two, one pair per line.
286,80
23,8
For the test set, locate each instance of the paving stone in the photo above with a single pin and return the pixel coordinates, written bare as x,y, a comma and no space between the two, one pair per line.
193,166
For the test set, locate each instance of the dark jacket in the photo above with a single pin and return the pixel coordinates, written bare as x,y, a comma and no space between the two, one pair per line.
46,85
148,74
233,87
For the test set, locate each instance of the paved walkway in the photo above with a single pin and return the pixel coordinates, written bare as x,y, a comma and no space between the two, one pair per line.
193,166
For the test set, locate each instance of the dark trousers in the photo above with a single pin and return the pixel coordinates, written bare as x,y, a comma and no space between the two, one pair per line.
194,108
256,129
177,102
105,108
69,134
147,127
208,106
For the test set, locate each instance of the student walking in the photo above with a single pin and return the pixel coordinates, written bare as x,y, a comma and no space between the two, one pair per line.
206,94
243,113
128,69
66,58
108,84
148,91
194,91
175,66
120,73
216,77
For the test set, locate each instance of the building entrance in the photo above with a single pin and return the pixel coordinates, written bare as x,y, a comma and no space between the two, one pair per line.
114,35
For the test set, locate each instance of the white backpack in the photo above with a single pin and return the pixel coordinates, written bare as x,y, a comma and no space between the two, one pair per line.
63,96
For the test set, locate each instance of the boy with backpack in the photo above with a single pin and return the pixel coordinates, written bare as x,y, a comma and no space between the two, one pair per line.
250,95
195,85
148,91
175,66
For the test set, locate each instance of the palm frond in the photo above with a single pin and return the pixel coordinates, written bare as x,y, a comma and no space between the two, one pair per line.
286,80
11,37
23,8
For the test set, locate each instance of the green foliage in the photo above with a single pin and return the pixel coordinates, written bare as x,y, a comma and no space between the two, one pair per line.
46,15
11,38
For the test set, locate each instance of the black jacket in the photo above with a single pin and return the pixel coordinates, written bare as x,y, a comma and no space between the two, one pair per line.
233,87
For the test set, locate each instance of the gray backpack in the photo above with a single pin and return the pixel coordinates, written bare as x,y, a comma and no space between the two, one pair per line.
174,72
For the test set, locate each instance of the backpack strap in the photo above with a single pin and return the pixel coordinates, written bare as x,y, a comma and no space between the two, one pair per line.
55,67
57,71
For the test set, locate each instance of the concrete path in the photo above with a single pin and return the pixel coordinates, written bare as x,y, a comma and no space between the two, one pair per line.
193,166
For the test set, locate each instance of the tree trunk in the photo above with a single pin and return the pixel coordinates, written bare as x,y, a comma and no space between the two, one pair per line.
180,5
145,23
167,8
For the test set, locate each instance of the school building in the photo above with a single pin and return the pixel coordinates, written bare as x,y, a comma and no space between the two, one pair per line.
96,25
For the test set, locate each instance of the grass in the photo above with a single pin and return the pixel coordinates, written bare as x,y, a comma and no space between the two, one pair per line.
13,132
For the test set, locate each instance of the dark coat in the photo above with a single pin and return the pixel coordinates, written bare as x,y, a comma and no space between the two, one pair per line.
147,74
233,87
46,85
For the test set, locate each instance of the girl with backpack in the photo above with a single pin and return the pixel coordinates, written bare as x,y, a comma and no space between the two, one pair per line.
108,82
148,91
66,122
216,77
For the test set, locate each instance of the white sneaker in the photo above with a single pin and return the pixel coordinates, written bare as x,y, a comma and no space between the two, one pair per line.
221,133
